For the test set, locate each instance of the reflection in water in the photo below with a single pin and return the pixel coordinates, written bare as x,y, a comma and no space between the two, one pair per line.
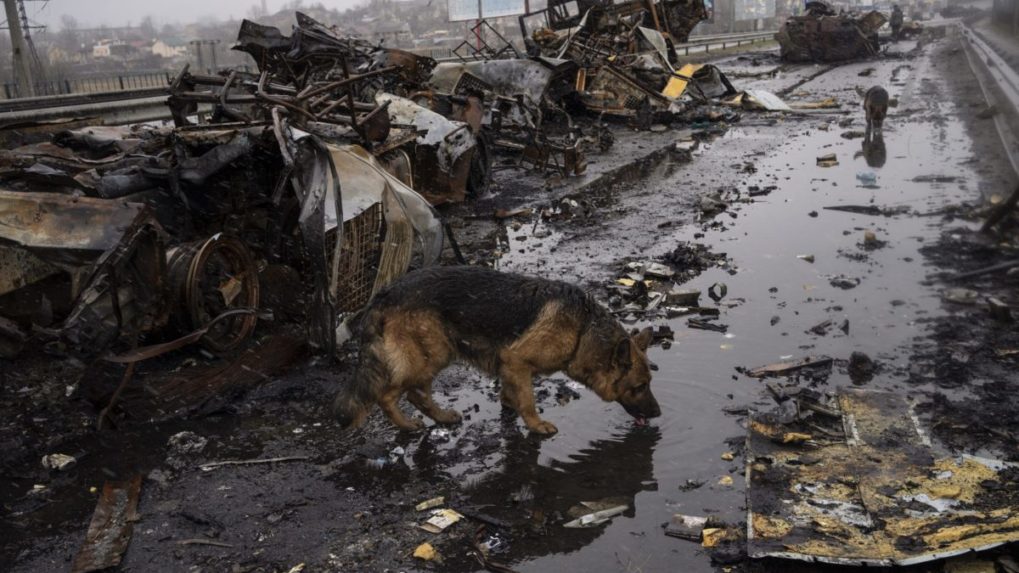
874,150
536,496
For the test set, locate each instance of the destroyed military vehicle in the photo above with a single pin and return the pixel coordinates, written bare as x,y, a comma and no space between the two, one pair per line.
823,35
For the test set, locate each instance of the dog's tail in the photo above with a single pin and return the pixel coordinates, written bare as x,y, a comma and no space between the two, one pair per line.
355,401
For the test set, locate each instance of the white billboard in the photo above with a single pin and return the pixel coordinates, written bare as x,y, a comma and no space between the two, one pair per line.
500,8
464,10
754,9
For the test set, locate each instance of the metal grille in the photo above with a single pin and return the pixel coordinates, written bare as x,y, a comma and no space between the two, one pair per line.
359,258
469,83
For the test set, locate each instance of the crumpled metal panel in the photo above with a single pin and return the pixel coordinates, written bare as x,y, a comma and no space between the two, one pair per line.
443,149
531,78
65,229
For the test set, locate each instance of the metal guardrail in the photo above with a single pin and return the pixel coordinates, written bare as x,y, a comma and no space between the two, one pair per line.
47,102
90,85
1005,87
723,41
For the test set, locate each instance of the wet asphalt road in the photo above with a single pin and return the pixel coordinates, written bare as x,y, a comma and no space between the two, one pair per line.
349,508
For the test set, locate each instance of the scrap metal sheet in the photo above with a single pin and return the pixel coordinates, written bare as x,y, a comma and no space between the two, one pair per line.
880,496
51,221
112,525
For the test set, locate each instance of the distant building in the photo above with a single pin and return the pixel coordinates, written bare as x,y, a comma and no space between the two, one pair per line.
111,49
169,49
393,35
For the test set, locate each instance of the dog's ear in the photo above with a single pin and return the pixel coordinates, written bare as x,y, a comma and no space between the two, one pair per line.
621,356
643,338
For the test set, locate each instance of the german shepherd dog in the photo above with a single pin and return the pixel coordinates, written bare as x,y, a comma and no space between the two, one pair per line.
508,326
875,106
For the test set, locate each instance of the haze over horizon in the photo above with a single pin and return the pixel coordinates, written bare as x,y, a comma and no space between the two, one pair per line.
115,13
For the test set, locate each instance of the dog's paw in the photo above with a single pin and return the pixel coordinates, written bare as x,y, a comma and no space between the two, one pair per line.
543,427
447,417
413,425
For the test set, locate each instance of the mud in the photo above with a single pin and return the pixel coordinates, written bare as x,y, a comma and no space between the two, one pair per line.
350,505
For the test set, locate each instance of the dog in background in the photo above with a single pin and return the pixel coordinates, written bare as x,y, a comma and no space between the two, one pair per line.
508,326
875,106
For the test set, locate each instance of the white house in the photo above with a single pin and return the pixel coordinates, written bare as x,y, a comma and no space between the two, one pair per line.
165,50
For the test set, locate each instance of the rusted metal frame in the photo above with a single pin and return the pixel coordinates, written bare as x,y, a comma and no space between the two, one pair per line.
654,16
226,87
146,352
278,129
349,79
224,108
322,322
350,99
394,143
125,379
280,101
109,260
179,78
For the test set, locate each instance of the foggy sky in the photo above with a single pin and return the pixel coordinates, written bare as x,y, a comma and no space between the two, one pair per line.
92,13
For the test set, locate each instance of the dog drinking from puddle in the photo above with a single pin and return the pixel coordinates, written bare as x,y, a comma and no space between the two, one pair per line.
508,326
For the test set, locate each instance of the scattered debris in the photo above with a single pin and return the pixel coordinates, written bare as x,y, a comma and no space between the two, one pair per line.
430,503
59,462
111,527
960,296
861,368
867,178
843,282
827,160
594,513
426,552
213,465
718,291
787,368
999,310
440,520
870,210
183,443
879,496
686,527
706,324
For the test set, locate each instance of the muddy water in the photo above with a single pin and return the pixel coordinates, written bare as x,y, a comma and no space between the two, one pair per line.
599,453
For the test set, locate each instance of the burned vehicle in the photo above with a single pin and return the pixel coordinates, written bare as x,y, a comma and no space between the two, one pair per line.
341,88
136,235
549,27
291,202
823,35
626,62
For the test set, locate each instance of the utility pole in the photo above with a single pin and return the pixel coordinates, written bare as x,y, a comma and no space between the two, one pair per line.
212,49
198,52
22,57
